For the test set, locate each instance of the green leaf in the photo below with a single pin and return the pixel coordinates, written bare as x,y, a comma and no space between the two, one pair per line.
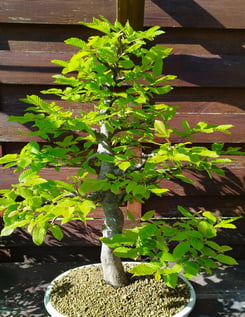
210,216
148,215
166,256
157,67
181,249
124,165
6,231
207,229
159,191
145,269
225,259
184,179
186,126
196,243
213,245
124,252
8,158
171,279
105,158
185,212
38,234
207,262
161,129
57,232
191,269
224,248
76,42
130,216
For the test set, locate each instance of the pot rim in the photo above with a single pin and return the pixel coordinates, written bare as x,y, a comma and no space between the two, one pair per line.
53,312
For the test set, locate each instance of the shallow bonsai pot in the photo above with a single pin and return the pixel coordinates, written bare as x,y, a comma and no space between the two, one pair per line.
54,313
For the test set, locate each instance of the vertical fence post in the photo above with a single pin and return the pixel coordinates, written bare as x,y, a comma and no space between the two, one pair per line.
133,11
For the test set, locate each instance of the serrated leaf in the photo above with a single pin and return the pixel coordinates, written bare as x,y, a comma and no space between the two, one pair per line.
76,42
196,243
207,229
8,158
185,212
124,165
157,67
159,191
145,269
130,216
105,158
166,256
186,126
148,215
124,252
161,129
225,225
210,216
171,279
181,249
213,245
225,259
6,231
38,234
207,262
57,232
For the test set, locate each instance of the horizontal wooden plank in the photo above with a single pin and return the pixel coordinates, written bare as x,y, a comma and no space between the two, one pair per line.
189,99
205,100
174,13
197,14
78,234
225,206
50,38
12,131
208,71
196,41
55,11
231,184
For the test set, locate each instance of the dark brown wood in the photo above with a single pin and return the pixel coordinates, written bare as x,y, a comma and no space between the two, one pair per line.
192,70
197,100
167,13
10,131
195,14
232,183
48,38
207,38
225,206
55,11
132,11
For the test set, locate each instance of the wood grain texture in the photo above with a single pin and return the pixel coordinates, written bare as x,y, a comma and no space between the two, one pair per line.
232,183
174,13
208,56
55,11
197,14
191,70
195,100
49,38
12,131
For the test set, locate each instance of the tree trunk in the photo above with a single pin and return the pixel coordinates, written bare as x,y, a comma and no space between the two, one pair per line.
113,271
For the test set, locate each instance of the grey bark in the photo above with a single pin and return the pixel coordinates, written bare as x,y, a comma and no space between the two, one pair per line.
113,271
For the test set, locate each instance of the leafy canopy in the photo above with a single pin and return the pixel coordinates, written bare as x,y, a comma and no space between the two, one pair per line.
117,74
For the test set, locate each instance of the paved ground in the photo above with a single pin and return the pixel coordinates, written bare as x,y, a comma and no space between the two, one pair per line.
22,286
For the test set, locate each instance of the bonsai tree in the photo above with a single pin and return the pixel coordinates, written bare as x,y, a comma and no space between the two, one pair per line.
122,150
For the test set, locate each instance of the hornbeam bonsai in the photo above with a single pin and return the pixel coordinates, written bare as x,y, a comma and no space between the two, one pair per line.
121,150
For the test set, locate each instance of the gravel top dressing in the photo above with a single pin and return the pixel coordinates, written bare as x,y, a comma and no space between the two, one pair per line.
83,293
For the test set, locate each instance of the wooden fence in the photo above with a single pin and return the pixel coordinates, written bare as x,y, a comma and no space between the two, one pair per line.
208,57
